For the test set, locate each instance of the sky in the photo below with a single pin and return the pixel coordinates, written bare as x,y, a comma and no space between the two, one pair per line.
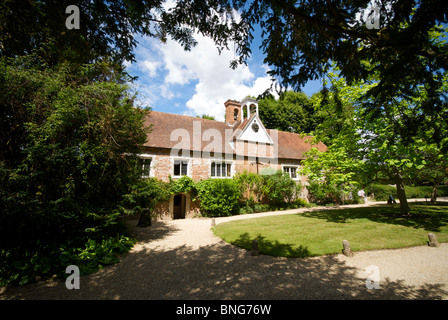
199,81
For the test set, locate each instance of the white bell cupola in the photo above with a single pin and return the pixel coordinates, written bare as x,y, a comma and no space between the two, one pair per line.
250,105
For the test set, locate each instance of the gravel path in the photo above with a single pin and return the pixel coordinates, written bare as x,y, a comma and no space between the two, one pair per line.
182,259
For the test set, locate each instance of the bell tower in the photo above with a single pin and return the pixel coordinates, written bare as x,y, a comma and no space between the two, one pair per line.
233,111
250,105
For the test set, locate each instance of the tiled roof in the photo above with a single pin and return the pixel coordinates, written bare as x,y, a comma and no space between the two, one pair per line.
199,133
293,145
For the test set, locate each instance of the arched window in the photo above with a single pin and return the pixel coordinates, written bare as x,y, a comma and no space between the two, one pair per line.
235,114
253,109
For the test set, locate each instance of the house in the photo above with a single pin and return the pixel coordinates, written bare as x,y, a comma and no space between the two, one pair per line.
180,145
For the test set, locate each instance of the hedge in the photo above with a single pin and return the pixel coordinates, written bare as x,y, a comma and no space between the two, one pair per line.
382,192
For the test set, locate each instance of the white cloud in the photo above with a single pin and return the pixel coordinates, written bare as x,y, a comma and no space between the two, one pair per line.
151,67
215,80
168,73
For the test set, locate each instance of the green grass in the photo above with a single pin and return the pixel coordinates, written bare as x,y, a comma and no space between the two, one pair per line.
322,232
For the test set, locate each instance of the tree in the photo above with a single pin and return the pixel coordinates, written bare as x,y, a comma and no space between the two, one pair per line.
68,125
381,138
333,176
292,112
143,197
435,169
334,118
107,28
302,39
69,129
206,116
62,168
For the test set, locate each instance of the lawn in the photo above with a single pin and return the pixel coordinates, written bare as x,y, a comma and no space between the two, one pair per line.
317,233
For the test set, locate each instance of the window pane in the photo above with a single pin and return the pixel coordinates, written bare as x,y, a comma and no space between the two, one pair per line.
218,169
176,168
146,167
184,168
229,166
213,173
224,171
139,164
293,173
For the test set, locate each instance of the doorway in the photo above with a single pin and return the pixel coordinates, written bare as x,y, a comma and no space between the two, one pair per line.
179,206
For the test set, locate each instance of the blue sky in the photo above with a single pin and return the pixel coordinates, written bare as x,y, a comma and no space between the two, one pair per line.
199,81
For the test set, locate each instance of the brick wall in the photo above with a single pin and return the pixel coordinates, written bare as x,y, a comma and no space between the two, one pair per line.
162,166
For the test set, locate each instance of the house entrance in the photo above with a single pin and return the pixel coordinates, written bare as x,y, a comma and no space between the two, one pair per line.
179,205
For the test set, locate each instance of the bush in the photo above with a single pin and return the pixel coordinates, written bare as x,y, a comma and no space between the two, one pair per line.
63,174
253,189
300,203
184,184
218,197
443,191
323,194
20,267
382,192
280,188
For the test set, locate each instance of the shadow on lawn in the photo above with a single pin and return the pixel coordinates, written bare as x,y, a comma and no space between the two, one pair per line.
423,216
225,272
273,248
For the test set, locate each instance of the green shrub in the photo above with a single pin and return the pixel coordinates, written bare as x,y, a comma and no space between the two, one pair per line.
98,253
184,184
280,188
325,194
252,187
218,197
300,203
443,191
382,192
245,209
145,194
418,192
63,178
20,267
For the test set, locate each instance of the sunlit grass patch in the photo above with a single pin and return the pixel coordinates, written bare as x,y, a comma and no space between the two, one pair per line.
316,233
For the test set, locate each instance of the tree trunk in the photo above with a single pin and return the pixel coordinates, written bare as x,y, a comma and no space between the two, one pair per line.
401,193
434,192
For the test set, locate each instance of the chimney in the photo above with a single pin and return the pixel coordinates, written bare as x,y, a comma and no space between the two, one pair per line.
233,111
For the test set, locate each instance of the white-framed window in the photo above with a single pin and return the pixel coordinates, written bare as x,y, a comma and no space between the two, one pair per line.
180,167
291,171
144,164
220,169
